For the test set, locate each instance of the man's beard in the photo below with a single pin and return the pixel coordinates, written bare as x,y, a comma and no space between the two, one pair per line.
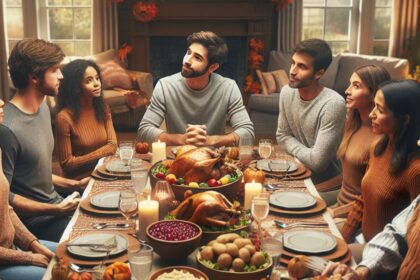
190,73
302,83
47,90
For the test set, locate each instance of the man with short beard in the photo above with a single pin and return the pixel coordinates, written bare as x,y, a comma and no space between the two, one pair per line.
197,102
311,117
27,141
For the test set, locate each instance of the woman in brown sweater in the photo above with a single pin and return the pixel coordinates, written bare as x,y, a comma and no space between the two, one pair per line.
84,128
31,260
392,178
353,151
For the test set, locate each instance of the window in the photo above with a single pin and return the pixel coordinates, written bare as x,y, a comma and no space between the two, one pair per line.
13,22
359,26
65,22
331,20
68,24
382,26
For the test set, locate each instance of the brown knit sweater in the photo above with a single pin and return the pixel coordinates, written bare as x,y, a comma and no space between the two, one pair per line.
384,194
410,267
353,165
81,143
12,231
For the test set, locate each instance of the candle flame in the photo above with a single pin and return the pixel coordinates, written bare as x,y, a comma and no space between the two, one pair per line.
253,181
148,197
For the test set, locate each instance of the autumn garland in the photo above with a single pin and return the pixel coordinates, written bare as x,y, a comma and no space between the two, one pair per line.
255,59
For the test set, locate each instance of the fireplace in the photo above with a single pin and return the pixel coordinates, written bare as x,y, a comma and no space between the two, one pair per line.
160,45
166,54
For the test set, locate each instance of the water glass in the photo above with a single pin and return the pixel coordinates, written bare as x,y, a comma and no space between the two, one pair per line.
264,148
126,151
139,178
246,149
273,246
140,260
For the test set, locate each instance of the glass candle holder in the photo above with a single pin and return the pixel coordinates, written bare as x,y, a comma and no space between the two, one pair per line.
162,193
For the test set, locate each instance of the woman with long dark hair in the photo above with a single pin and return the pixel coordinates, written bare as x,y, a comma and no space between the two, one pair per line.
84,128
392,179
353,151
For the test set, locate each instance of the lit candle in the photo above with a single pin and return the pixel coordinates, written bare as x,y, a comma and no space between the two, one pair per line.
148,214
251,190
158,151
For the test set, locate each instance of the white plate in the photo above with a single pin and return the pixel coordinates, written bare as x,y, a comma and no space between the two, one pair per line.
118,166
276,165
96,238
309,241
292,200
106,200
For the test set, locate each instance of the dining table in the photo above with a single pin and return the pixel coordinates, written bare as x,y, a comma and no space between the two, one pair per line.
82,220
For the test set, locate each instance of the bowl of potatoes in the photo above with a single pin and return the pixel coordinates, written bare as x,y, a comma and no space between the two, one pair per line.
232,257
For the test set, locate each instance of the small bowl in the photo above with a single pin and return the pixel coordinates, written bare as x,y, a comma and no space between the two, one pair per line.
215,274
229,190
197,273
174,251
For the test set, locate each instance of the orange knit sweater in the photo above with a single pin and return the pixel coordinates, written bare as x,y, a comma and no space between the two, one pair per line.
353,165
410,267
384,194
82,143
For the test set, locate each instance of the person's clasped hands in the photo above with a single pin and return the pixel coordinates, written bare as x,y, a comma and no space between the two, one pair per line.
346,272
196,134
69,204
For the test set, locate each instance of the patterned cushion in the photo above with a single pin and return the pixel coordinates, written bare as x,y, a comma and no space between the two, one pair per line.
114,76
272,82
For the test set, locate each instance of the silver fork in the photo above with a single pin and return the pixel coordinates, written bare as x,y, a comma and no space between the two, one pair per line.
300,224
317,264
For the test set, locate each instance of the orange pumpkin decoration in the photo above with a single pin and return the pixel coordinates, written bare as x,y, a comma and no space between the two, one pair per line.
296,267
251,175
232,153
117,271
142,147
80,276
60,271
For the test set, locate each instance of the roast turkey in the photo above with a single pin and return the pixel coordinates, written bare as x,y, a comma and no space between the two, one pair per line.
206,208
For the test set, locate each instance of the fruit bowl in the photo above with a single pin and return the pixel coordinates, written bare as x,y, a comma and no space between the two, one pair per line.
230,190
185,269
173,240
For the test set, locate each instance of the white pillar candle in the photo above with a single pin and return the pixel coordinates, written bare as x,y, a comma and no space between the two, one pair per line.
158,151
251,190
148,214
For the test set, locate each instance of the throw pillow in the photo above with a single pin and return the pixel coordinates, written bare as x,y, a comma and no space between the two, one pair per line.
272,82
114,76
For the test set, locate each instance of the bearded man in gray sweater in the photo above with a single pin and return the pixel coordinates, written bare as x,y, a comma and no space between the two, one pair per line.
312,117
196,102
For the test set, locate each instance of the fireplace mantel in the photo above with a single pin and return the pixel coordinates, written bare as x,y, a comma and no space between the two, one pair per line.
246,18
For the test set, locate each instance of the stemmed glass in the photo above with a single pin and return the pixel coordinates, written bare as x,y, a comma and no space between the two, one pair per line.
139,178
126,151
128,204
264,148
108,246
259,210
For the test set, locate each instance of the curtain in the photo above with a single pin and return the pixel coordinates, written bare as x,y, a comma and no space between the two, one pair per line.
4,76
105,26
404,27
289,26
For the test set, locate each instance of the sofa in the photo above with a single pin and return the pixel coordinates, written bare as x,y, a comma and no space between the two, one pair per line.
116,82
264,108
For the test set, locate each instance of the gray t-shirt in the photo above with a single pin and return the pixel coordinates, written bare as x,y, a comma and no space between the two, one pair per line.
27,144
312,130
176,102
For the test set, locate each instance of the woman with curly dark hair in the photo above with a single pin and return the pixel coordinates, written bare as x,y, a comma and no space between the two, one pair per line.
84,128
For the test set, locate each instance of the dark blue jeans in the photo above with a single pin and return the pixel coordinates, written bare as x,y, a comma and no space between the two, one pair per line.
26,272
49,228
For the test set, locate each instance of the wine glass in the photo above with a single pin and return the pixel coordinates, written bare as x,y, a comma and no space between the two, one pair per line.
264,148
128,204
259,210
108,246
126,151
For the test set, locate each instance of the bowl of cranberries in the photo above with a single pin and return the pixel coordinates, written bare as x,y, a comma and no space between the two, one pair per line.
174,240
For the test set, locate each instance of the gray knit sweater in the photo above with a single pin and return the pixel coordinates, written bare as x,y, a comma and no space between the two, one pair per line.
179,105
312,130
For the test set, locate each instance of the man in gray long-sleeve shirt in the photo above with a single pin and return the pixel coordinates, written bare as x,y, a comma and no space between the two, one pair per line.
197,102
311,118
